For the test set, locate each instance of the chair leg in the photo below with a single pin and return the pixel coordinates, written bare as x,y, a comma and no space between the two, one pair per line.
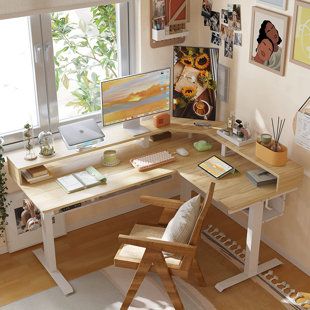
141,272
198,273
163,271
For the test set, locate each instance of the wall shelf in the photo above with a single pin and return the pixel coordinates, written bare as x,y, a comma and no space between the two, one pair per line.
160,35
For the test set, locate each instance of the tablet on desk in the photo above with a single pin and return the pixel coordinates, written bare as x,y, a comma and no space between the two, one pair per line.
216,167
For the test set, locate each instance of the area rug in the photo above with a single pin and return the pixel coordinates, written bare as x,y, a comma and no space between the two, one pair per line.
105,289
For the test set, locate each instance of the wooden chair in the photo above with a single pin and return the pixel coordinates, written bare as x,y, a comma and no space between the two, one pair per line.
143,250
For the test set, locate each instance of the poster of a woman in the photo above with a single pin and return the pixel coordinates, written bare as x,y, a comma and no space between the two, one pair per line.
268,40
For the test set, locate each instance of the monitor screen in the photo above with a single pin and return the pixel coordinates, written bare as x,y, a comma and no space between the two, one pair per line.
135,96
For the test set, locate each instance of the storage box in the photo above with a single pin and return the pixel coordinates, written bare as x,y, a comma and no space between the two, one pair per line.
277,159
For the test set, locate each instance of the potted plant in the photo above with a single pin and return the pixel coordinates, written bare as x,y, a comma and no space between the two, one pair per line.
4,204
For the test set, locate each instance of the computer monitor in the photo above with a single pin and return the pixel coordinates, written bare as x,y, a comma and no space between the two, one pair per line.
129,98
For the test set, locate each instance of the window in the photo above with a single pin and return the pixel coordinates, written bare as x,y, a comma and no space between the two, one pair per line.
20,101
52,65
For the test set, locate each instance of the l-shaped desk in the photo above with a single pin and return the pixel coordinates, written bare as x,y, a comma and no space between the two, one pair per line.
233,193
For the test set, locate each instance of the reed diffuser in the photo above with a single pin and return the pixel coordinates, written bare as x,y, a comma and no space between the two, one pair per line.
276,147
272,152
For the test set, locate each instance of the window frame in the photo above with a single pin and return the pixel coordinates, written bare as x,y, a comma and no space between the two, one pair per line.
39,78
44,70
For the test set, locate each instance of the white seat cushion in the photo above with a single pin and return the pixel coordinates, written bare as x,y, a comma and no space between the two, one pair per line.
181,226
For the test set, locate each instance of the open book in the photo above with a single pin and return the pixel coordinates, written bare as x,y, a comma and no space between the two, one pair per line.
78,181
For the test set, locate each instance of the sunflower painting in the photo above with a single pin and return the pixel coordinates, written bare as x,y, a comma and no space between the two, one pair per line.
195,82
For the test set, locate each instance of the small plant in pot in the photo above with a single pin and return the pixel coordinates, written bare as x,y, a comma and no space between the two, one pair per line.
4,204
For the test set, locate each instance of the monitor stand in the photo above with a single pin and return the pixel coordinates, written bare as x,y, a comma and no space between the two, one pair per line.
134,127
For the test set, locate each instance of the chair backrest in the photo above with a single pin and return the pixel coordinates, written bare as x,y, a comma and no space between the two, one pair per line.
186,262
203,212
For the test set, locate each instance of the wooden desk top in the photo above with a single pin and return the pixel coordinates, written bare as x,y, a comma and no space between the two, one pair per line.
235,192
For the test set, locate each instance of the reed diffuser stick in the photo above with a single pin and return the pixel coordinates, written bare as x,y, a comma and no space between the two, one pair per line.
278,132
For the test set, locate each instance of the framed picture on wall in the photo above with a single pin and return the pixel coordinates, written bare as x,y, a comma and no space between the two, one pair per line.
195,78
268,40
300,46
280,4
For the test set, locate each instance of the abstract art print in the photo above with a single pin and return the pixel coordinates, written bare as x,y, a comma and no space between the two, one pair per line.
195,77
300,47
268,40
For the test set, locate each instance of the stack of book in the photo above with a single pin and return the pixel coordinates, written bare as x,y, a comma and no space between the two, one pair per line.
36,174
260,177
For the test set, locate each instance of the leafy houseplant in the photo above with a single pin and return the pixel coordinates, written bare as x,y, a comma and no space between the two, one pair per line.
85,54
3,192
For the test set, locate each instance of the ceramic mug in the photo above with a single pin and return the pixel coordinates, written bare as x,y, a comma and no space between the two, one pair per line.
202,108
109,158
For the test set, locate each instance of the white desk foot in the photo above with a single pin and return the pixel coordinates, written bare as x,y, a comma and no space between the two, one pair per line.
63,284
221,286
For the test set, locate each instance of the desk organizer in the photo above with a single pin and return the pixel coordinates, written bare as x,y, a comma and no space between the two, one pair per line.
233,139
277,159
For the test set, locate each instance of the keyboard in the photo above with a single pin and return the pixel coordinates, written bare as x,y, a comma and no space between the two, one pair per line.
151,161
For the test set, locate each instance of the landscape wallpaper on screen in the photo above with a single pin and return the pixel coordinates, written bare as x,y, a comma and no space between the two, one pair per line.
135,96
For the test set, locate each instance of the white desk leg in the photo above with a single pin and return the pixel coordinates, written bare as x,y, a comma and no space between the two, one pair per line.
47,257
251,267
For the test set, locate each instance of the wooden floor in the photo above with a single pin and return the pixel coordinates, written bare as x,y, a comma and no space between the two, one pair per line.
93,247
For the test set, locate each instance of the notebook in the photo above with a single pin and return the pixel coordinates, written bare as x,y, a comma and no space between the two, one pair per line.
77,181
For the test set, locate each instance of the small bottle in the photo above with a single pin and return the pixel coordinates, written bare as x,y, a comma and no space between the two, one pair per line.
230,122
237,126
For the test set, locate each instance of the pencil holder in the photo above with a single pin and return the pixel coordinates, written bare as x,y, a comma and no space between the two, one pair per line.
272,158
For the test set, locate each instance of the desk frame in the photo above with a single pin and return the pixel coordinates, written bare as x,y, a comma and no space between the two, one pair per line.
288,178
254,227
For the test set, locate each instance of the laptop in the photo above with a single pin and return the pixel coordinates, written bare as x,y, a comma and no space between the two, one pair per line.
81,134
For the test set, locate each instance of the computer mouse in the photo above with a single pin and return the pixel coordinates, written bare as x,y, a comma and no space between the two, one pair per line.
182,151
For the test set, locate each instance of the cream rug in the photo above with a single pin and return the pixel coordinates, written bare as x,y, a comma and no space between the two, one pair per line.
105,289
152,294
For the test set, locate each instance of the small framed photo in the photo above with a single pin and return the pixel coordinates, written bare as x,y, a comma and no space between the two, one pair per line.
280,4
268,40
300,46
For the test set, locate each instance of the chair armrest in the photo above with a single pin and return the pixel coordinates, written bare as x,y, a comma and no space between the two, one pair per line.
173,204
159,245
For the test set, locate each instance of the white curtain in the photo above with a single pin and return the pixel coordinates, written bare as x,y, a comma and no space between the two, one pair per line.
18,8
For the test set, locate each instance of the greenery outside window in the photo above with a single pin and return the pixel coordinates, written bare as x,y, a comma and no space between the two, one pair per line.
64,57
